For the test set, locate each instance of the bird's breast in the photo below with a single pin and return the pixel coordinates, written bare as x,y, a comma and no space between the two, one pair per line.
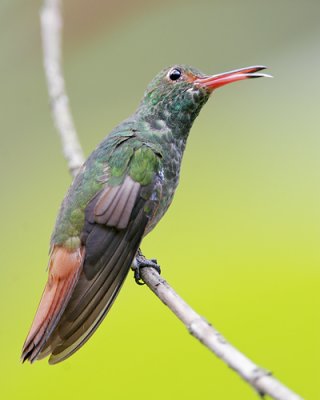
166,182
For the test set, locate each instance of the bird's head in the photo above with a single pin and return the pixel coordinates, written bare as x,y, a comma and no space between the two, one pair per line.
176,95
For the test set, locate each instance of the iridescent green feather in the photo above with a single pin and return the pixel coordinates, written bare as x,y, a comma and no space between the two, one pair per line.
116,157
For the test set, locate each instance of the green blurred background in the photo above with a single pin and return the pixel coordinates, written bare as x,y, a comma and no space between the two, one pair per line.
241,240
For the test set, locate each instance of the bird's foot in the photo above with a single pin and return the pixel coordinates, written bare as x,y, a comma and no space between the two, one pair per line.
140,261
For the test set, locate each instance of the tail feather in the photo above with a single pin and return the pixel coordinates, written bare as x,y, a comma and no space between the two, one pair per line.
64,269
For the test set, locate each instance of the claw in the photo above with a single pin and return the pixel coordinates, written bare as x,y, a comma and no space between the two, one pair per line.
137,277
141,262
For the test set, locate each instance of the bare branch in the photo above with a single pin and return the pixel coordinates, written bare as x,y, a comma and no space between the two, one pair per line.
202,330
51,24
260,379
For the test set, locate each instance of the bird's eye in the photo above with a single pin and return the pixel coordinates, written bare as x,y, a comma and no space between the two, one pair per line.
175,74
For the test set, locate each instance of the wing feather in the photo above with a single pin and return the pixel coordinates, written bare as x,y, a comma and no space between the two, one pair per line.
115,204
109,255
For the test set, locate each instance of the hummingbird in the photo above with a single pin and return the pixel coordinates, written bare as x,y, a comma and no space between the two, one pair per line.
119,195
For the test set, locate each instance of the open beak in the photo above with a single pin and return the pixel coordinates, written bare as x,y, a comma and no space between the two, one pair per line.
215,81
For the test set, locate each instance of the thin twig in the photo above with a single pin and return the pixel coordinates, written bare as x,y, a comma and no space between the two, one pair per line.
51,24
260,379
